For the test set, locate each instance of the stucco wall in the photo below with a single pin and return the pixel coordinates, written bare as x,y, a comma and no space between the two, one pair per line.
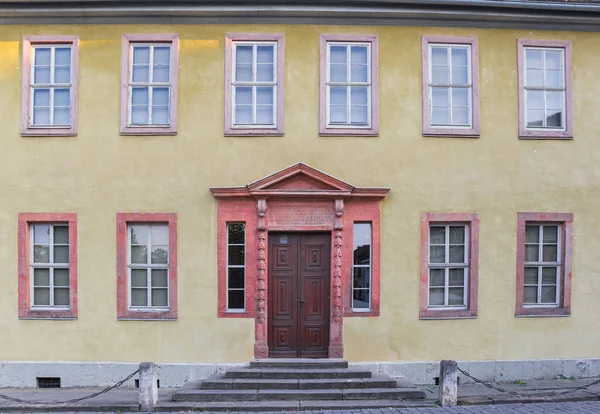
99,173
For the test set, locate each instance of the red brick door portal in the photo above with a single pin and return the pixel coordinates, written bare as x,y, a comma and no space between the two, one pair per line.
298,304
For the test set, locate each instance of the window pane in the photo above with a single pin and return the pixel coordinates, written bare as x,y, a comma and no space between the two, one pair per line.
160,115
550,234
362,243
139,234
41,277
440,75
457,254
139,96
236,234
549,275
42,56
160,255
264,72
554,59
41,234
41,116
162,55
535,99
554,78
41,296
338,54
236,277
141,54
456,277
554,100
460,97
61,235
460,116
456,296
243,95
41,254
139,115
460,56
61,277
339,115
139,278
439,97
437,254
160,278
265,54
61,97
62,74
41,75
41,97
338,73
532,253
533,58
359,95
437,235
362,278
62,56
235,299
61,297
243,114
554,118
535,77
62,116
236,255
160,96
360,299
548,294
359,73
160,74
160,297
338,95
141,73
139,254
457,235
436,296
531,275
264,115
532,234
359,115
264,95
139,297
439,56
440,116
530,294
460,75
243,54
550,253
243,64
437,277
160,234
359,54
61,254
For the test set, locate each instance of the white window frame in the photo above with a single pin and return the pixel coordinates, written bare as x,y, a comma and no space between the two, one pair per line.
450,85
150,84
348,85
228,266
369,266
544,88
50,265
50,86
148,267
540,264
447,266
254,83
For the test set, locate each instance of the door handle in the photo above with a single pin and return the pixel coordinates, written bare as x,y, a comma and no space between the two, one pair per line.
302,301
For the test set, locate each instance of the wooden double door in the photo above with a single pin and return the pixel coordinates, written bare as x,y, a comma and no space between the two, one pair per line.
299,274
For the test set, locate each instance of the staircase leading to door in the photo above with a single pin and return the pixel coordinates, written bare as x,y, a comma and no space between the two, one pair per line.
298,384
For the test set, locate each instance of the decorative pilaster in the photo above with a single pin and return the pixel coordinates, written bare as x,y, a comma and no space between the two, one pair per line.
261,346
336,348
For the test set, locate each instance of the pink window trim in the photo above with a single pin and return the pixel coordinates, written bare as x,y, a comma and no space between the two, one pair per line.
126,40
429,130
28,43
524,132
324,130
565,220
229,130
24,250
123,312
472,220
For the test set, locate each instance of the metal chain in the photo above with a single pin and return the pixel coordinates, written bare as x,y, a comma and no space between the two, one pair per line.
550,393
73,400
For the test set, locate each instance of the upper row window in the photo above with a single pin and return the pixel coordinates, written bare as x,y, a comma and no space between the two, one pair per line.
254,81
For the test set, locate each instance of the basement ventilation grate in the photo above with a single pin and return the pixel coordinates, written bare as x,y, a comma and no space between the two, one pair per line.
137,383
48,382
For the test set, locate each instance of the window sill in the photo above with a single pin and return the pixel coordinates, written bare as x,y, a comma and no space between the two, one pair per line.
451,132
349,132
540,312
68,315
541,135
253,132
373,313
229,314
134,315
149,131
447,314
49,132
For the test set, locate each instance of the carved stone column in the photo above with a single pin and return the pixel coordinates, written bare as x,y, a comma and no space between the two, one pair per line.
336,345
261,345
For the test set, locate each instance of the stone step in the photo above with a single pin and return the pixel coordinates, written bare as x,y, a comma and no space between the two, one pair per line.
257,406
277,373
299,363
220,382
298,395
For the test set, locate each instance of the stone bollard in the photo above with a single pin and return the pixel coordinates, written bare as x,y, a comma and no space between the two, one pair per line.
148,386
448,384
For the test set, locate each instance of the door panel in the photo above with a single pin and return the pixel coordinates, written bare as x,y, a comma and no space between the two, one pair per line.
299,295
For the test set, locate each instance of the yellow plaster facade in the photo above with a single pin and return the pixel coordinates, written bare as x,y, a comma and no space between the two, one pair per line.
99,173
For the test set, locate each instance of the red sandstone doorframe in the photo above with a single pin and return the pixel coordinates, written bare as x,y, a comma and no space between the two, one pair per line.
298,198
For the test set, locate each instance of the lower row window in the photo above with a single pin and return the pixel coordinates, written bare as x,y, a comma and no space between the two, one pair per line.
236,267
361,268
50,265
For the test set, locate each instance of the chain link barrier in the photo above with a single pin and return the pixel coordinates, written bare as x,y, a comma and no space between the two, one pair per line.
548,393
73,400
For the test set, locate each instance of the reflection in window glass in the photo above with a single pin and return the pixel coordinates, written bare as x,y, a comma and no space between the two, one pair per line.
361,267
236,266
50,265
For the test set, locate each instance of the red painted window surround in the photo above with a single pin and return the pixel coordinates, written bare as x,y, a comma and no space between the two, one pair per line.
230,38
472,220
429,130
524,132
374,129
126,41
565,220
24,253
123,312
28,43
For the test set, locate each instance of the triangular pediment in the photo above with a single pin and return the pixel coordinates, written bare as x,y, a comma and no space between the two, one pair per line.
302,178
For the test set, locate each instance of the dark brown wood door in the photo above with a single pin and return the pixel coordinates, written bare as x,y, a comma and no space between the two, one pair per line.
299,266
